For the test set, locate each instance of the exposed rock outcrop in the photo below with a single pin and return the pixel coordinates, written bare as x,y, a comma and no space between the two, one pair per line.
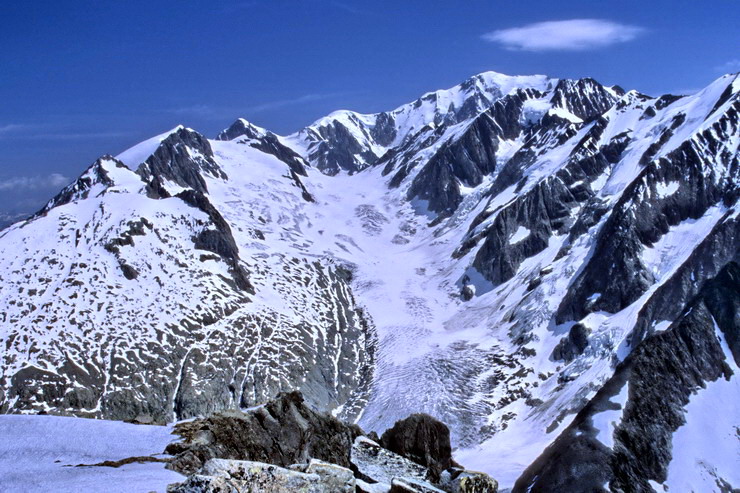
282,432
376,464
461,481
285,446
423,439
657,381
573,344
181,158
234,476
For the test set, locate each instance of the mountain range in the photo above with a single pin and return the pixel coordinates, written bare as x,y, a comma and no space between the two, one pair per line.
549,266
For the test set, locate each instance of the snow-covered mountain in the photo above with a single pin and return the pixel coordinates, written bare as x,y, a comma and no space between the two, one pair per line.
536,262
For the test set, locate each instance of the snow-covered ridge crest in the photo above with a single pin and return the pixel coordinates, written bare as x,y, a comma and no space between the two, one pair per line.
370,136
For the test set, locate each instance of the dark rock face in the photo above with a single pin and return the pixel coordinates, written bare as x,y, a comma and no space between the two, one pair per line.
465,161
662,372
80,188
541,213
219,241
572,345
585,98
334,148
282,432
545,210
642,216
423,439
643,439
181,158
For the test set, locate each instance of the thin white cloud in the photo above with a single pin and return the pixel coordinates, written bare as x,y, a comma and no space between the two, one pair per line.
216,113
308,98
201,110
567,35
729,67
25,183
13,131
11,127
237,6
348,8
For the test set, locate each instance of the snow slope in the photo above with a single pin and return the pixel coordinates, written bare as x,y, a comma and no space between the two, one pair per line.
39,453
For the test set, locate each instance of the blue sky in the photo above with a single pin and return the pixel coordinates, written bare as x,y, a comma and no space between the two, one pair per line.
82,78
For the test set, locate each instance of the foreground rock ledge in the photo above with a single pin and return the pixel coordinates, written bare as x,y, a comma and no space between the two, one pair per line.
223,475
285,446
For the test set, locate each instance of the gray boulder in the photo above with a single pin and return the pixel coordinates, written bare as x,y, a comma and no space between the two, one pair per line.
406,485
284,431
233,476
375,464
461,481
422,439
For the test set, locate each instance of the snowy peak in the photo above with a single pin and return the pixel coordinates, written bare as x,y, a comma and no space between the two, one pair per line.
586,99
105,173
180,162
139,153
350,141
459,103
242,128
342,141
244,132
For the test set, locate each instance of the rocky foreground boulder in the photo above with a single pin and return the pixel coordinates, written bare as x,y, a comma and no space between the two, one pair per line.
423,439
282,432
285,446
222,475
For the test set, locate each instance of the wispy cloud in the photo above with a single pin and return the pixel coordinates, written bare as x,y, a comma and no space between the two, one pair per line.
237,6
15,131
199,110
348,8
729,67
217,112
282,103
11,128
566,35
26,183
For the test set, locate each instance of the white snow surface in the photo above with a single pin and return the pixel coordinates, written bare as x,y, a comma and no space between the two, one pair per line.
38,454
679,242
606,421
520,234
139,153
